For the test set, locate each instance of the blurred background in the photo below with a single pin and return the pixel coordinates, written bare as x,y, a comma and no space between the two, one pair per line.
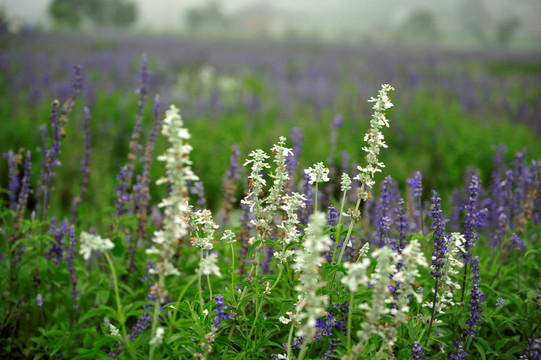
443,22
467,75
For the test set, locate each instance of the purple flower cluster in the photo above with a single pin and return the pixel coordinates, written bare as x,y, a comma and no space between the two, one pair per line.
229,182
325,326
477,297
332,220
123,196
516,242
417,351
402,226
460,353
416,184
532,350
473,219
85,165
58,230
70,261
25,191
440,243
415,192
39,300
14,180
141,325
220,311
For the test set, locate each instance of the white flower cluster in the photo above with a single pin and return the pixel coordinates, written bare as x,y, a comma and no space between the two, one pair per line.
447,286
375,139
114,331
202,227
90,242
356,275
290,317
319,173
345,183
208,265
280,174
289,225
412,258
158,338
257,181
177,164
308,260
229,237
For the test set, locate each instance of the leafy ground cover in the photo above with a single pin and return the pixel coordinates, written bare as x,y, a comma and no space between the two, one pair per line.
238,242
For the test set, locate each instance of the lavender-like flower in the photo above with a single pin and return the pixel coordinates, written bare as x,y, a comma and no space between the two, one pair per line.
439,252
220,311
440,243
415,191
141,189
500,302
85,165
532,350
57,230
472,220
460,353
39,300
417,351
416,184
70,261
477,297
516,242
383,213
14,180
25,191
402,226
229,182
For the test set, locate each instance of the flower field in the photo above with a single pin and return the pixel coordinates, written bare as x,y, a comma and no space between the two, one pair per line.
166,198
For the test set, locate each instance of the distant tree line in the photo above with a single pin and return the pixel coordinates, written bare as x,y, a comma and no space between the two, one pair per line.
75,14
421,25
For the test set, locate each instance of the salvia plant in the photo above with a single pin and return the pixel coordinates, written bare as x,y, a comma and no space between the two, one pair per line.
292,269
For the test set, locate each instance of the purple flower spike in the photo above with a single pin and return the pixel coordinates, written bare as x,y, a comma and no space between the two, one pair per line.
477,297
460,353
440,243
472,220
516,242
417,351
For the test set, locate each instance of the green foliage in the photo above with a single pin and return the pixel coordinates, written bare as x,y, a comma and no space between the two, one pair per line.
420,27
73,13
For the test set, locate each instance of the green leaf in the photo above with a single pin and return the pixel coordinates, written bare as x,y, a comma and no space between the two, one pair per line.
481,350
119,249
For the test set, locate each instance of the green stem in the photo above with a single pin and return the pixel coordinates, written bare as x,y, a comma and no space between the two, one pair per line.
421,225
303,351
338,229
315,201
464,282
518,272
349,320
350,230
232,271
199,275
261,303
433,312
121,318
210,287
289,338
181,295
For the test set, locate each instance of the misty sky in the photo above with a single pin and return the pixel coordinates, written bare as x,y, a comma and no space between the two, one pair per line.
323,14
